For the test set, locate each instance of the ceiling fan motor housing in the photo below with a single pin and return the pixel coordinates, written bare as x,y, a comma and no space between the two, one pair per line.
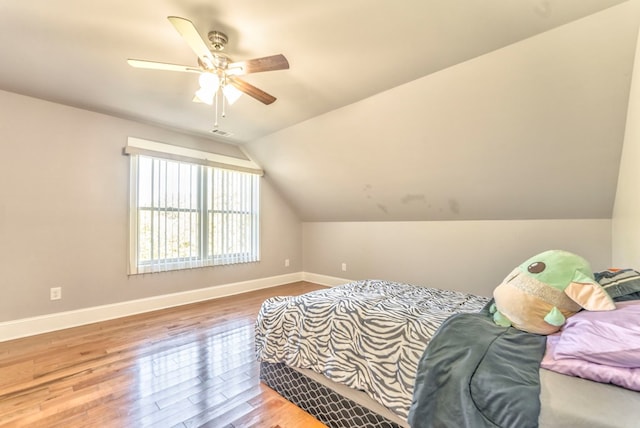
218,40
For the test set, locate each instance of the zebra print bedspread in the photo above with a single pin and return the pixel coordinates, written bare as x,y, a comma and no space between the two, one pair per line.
368,335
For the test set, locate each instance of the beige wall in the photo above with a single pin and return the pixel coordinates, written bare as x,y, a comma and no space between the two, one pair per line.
626,213
64,213
472,256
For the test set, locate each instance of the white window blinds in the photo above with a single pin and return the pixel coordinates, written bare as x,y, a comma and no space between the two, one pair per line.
186,215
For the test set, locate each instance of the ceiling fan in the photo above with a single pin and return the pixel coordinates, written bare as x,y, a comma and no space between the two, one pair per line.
218,73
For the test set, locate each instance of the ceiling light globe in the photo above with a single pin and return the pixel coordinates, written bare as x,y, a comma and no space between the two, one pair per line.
231,93
209,81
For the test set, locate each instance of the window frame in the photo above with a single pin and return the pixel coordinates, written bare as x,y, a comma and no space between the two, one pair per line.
206,254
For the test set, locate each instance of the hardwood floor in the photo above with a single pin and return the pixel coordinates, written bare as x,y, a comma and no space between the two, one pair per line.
189,366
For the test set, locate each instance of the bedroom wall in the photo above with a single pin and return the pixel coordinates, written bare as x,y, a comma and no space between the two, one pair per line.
471,256
626,212
64,213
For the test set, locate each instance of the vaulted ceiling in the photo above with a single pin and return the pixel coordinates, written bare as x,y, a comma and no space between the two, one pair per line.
430,110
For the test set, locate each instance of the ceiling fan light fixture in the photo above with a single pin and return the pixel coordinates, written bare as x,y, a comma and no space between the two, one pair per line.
209,81
231,93
205,95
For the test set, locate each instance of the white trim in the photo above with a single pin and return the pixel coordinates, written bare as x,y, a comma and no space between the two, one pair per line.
46,323
136,146
330,281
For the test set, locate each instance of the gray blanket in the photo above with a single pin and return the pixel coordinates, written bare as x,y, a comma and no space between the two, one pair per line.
477,374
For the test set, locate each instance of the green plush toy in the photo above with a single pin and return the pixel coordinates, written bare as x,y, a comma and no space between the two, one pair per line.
542,292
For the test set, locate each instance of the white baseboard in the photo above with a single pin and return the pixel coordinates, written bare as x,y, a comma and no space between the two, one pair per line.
330,281
51,322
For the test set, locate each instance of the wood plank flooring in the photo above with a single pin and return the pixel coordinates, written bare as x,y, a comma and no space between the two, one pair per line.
183,367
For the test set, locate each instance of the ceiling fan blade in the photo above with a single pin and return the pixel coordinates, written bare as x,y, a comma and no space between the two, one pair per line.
190,34
268,63
251,90
140,63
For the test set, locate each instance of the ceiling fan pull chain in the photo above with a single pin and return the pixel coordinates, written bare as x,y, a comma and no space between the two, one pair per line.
215,102
222,100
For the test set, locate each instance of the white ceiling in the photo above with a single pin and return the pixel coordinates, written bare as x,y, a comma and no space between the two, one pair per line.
74,51
391,110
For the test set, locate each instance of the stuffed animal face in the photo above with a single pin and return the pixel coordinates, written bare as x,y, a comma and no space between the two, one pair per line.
542,292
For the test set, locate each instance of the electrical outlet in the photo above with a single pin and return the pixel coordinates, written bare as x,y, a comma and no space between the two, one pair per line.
55,293
344,267
286,262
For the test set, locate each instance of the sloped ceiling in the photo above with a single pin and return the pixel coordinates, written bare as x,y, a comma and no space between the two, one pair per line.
530,131
430,110
74,51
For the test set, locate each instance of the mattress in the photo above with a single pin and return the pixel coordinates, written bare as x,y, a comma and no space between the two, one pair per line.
569,401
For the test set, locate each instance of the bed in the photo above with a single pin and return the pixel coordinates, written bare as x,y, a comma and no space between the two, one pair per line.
349,356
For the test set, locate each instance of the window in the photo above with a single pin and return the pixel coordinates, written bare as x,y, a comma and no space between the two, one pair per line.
186,215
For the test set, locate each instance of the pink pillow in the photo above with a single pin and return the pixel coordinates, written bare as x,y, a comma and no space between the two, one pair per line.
611,337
